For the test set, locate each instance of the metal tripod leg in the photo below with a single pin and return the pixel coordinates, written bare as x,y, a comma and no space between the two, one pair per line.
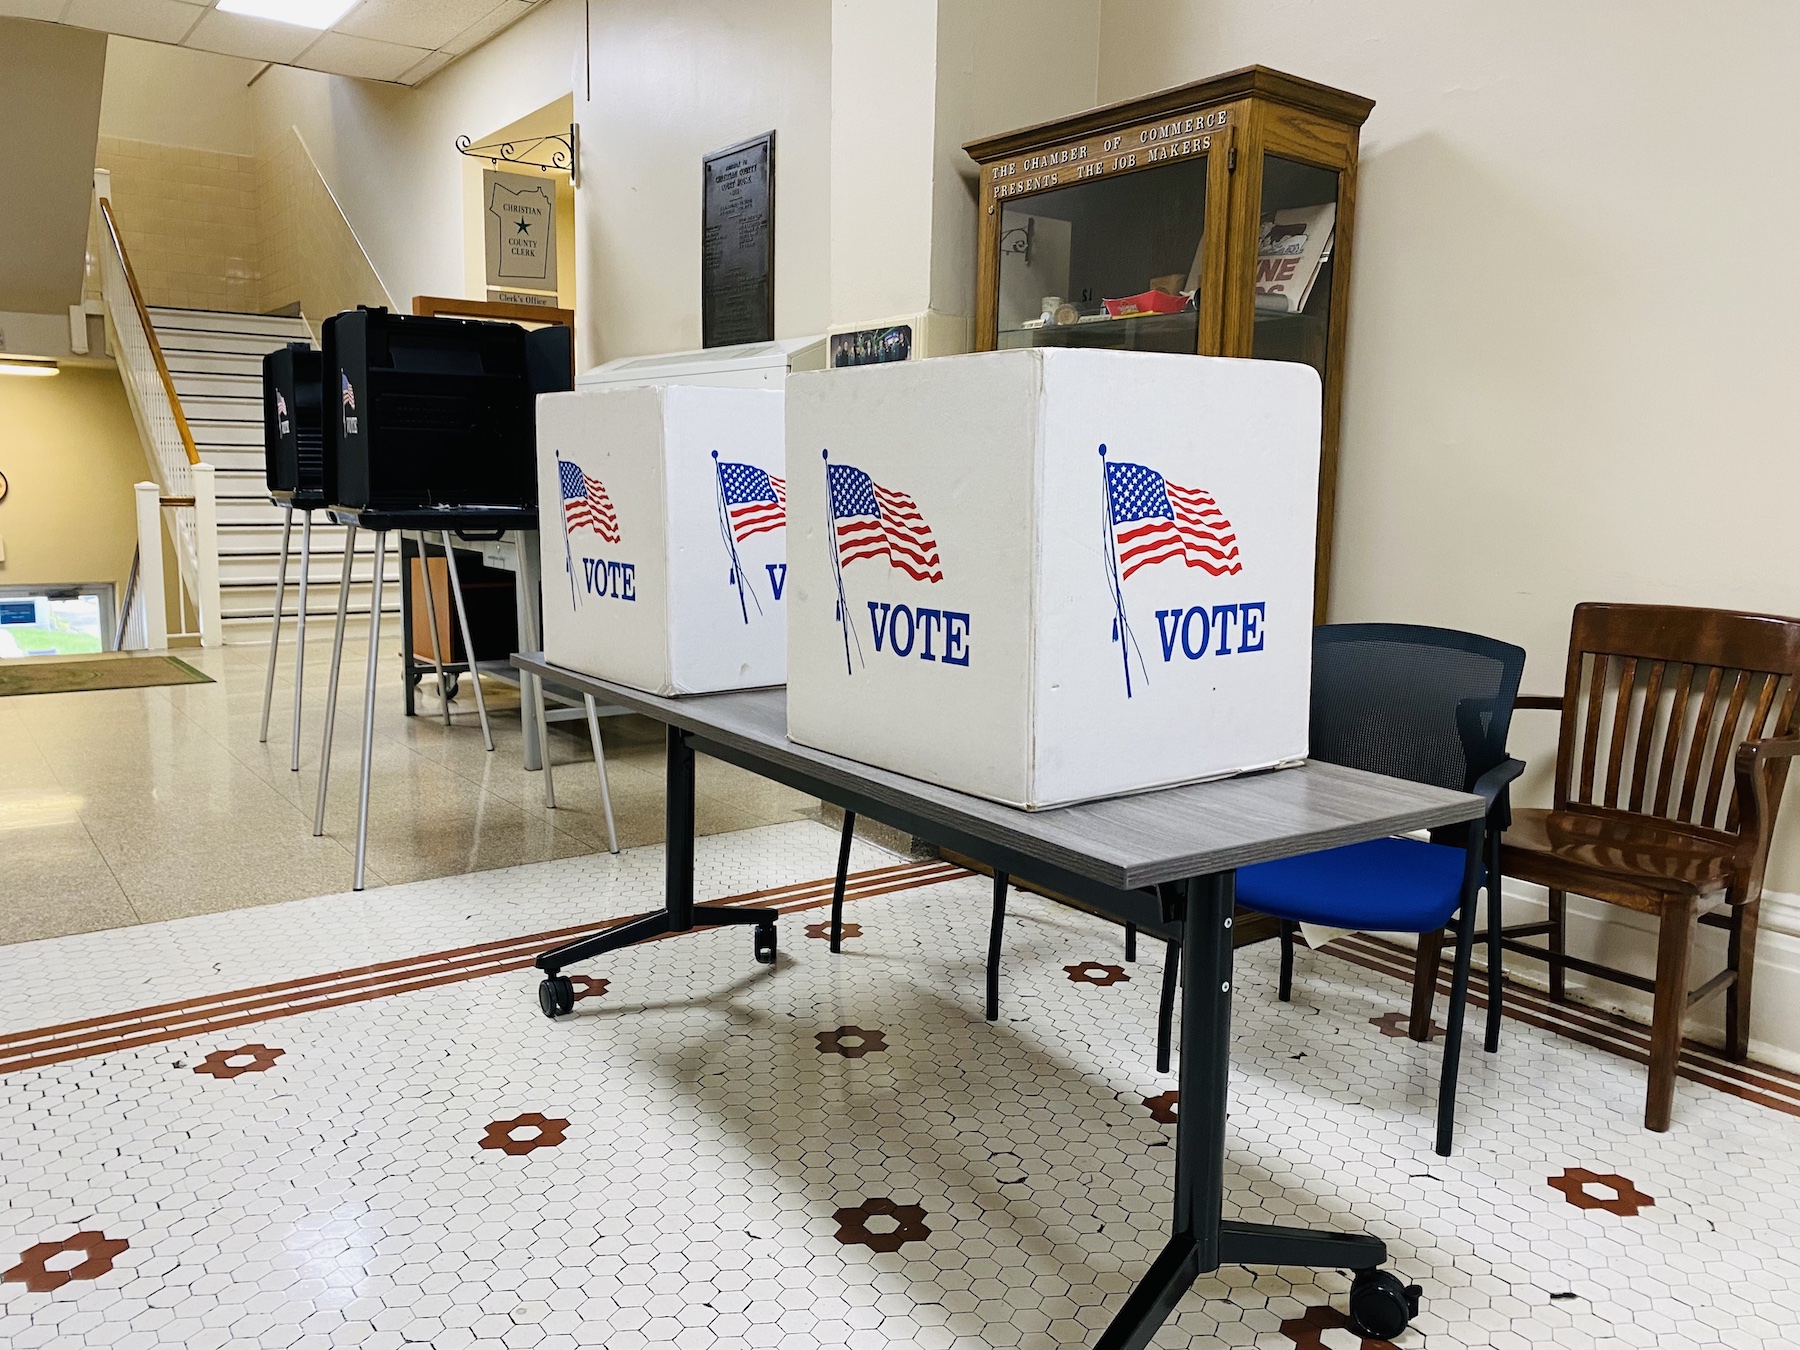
368,731
337,663
437,649
287,533
462,617
593,715
300,638
542,717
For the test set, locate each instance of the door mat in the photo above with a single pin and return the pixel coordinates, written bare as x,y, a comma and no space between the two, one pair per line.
120,672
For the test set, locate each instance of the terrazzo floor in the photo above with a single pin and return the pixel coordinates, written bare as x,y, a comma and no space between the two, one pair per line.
343,1121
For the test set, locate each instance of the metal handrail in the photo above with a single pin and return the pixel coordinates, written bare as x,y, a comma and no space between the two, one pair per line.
143,315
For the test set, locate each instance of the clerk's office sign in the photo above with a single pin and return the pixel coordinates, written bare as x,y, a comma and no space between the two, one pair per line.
519,218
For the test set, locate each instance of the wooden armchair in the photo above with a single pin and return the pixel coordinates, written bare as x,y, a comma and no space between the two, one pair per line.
1658,701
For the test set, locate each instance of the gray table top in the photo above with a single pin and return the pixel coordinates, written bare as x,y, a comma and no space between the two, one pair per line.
1168,834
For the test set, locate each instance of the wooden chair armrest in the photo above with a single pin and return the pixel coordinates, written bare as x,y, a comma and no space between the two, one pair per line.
1755,763
1539,702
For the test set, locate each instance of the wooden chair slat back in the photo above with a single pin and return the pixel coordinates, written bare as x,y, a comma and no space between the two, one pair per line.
1657,699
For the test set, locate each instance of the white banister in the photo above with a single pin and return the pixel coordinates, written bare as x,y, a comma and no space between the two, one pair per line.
206,550
150,567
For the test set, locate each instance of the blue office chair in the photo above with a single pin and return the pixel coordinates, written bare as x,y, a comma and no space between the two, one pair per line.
1432,705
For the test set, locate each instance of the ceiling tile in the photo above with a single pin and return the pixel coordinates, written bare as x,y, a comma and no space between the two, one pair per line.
258,39
153,20
362,58
414,23
47,10
430,66
502,15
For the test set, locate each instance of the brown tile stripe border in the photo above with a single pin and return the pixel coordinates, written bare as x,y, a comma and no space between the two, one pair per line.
91,1036
1753,1082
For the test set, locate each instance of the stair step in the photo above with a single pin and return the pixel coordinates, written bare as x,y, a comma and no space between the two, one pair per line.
259,569
264,536
229,321
193,388
239,344
233,408
227,435
190,363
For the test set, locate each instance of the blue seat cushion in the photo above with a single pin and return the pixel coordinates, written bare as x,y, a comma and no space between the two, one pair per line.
1383,886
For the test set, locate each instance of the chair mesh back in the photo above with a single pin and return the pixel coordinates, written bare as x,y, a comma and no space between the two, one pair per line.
1429,704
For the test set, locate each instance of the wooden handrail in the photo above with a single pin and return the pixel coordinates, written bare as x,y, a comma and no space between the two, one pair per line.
143,313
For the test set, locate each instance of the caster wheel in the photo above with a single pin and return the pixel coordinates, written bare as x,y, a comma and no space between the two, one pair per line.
1380,1306
765,943
450,686
556,995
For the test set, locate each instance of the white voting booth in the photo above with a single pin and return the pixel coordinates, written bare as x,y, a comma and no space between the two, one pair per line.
1053,576
668,570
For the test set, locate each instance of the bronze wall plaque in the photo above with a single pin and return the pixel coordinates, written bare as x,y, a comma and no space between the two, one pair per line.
737,244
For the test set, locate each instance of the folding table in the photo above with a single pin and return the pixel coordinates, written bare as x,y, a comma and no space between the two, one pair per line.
1165,858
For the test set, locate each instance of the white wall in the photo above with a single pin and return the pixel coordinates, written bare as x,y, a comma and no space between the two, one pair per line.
1571,357
673,80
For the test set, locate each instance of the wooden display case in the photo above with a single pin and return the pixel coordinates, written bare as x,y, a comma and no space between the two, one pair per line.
1216,217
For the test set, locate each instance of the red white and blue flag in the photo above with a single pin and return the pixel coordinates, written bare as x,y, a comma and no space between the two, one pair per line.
872,521
755,499
585,503
1154,520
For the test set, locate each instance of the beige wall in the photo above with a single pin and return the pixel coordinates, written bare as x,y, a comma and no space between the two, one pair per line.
1569,363
71,454
178,96
674,80
190,221
50,81
388,154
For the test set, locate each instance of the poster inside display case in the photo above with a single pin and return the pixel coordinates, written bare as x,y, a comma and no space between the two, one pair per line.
1214,218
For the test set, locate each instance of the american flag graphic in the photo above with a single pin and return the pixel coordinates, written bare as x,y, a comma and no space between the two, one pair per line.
349,393
755,499
1154,520
585,503
875,522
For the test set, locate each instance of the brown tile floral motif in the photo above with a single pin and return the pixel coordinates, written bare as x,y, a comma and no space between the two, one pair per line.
255,1059
823,930
1308,1332
1164,1106
1625,1198
34,1272
1096,972
588,986
850,1042
1397,1024
502,1134
881,1225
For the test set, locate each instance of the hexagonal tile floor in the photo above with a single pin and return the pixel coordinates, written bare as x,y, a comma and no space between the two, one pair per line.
721,1181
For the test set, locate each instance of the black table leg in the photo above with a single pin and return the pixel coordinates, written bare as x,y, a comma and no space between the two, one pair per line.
1201,1239
679,915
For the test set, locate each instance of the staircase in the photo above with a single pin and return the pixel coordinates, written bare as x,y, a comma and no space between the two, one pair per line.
215,360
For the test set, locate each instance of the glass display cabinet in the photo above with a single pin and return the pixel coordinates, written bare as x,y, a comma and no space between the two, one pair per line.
1214,218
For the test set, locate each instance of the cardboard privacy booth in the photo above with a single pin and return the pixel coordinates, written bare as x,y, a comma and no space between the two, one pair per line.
664,536
1052,576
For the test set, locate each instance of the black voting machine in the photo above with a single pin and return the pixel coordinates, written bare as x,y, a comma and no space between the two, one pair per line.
412,424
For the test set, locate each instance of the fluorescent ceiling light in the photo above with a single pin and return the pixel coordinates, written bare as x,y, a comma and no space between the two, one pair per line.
27,365
300,13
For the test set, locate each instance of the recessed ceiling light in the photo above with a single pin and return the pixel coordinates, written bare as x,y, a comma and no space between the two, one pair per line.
301,13
27,365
